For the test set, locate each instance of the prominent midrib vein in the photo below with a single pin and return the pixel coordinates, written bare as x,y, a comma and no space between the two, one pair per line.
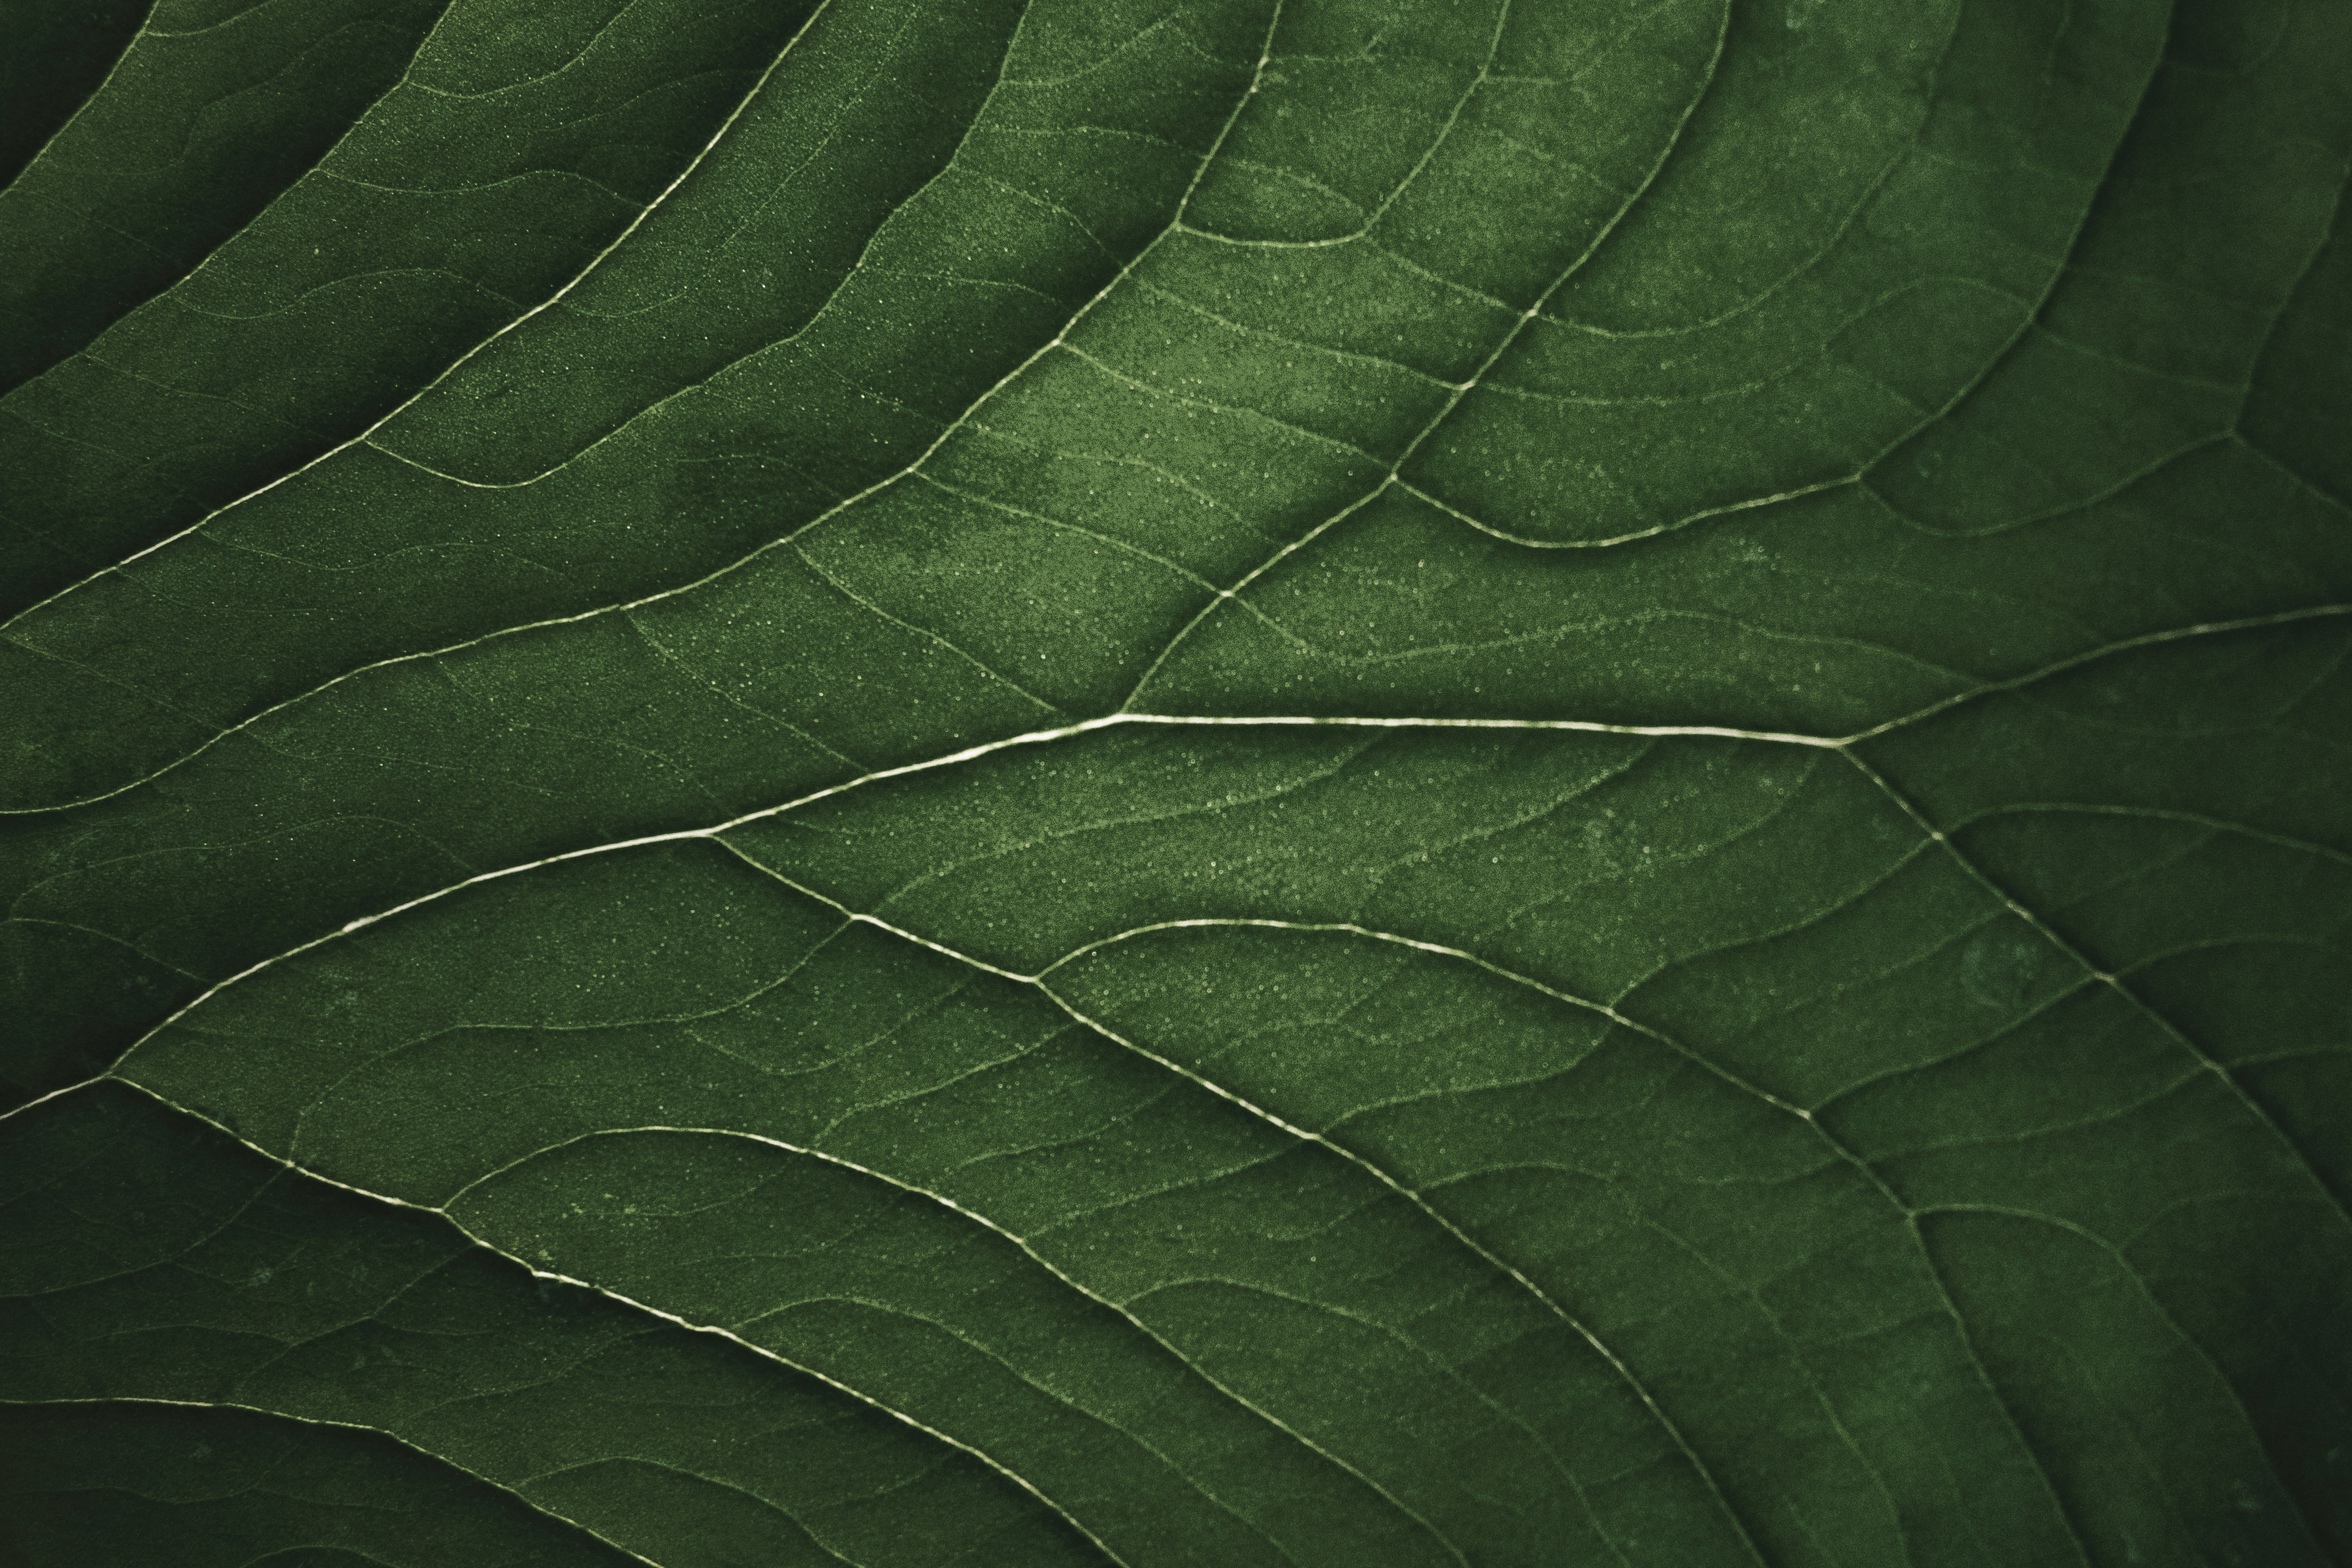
1836,743
1123,715
1840,745
1068,731
1795,739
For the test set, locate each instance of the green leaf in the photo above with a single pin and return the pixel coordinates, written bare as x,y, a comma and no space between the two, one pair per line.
1177,781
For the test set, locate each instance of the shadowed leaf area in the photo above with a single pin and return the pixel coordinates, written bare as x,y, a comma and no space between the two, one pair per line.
1188,784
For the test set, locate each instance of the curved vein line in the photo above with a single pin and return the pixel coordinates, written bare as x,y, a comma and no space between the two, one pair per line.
973,498
1461,954
2032,320
2012,683
944,1201
649,1310
1107,721
833,581
2155,1304
1238,411
146,26
2114,982
1243,328
1430,1360
2220,826
2329,235
389,1436
716,1483
716,831
2124,645
1723,732
173,1258
1037,979
847,502
1821,1129
1123,715
2024,1019
574,59
1624,1373
1676,526
1037,982
1455,399
318,165
822,310
2279,466
627,230
1363,1164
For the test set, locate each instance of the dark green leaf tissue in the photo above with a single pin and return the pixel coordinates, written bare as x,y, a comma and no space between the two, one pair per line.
1175,783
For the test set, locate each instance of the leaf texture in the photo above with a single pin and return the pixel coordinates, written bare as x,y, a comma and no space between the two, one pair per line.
1178,783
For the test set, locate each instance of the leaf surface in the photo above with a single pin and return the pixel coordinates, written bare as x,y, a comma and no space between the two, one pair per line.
1201,784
